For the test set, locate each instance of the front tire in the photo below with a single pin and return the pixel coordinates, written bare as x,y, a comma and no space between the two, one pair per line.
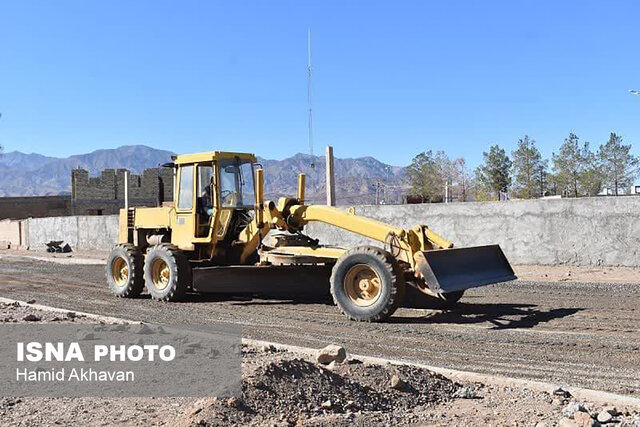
367,284
124,271
167,273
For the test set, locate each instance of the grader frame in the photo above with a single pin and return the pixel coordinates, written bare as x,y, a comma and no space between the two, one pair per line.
219,220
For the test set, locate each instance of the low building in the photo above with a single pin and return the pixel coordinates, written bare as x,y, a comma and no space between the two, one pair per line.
101,195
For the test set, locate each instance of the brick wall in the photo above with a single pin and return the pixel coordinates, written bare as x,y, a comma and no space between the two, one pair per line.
104,195
101,195
151,184
36,207
101,187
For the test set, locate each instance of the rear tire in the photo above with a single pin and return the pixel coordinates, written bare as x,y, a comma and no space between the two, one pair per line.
124,271
367,284
450,299
167,273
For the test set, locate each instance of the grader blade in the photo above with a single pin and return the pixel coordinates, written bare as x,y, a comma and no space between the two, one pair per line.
451,270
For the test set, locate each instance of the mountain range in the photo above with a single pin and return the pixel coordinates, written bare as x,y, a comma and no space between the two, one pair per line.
357,180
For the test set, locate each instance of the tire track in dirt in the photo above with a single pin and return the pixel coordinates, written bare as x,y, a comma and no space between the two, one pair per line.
579,334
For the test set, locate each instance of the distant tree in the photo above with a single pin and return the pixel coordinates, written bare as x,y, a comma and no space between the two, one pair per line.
528,169
432,175
591,177
617,164
424,177
493,175
542,175
463,178
448,174
569,164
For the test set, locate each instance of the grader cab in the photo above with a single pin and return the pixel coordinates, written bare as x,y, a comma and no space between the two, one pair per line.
211,237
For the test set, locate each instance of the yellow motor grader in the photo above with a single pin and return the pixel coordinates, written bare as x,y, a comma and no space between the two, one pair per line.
210,239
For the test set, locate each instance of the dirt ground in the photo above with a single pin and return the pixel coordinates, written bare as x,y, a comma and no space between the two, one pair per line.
566,333
286,388
563,273
546,273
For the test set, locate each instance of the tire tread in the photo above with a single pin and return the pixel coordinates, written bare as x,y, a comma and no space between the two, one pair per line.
397,292
136,279
180,269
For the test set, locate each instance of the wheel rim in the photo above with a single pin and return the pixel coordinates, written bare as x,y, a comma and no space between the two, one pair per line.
160,273
120,271
362,285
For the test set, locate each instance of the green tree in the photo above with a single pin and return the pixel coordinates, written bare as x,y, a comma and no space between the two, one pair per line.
617,164
494,174
463,179
528,169
423,175
591,178
542,177
569,164
430,173
447,173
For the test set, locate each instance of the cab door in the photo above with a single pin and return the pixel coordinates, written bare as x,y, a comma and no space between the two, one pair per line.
205,202
184,229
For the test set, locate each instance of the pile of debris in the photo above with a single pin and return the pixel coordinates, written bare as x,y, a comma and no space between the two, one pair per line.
55,246
289,391
15,312
576,414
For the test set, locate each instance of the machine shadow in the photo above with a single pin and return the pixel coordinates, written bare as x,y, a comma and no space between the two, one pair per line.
292,292
500,315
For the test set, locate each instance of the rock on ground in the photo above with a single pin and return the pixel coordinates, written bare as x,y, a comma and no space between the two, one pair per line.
332,353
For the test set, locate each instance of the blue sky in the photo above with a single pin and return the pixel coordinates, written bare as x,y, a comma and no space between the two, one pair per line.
391,79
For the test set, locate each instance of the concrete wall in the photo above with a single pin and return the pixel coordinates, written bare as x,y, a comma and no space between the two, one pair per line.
81,232
11,232
594,231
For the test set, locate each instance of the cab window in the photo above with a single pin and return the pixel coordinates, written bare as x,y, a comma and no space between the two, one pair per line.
236,183
185,190
205,173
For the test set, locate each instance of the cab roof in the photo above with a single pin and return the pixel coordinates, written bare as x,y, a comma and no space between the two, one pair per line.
209,156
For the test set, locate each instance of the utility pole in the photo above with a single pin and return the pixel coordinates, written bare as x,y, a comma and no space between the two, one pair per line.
446,191
330,177
126,189
310,122
387,184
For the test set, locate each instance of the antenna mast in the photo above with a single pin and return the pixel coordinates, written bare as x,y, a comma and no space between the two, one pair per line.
309,98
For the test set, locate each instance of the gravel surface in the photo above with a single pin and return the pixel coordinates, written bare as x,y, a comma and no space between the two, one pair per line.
580,334
285,388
